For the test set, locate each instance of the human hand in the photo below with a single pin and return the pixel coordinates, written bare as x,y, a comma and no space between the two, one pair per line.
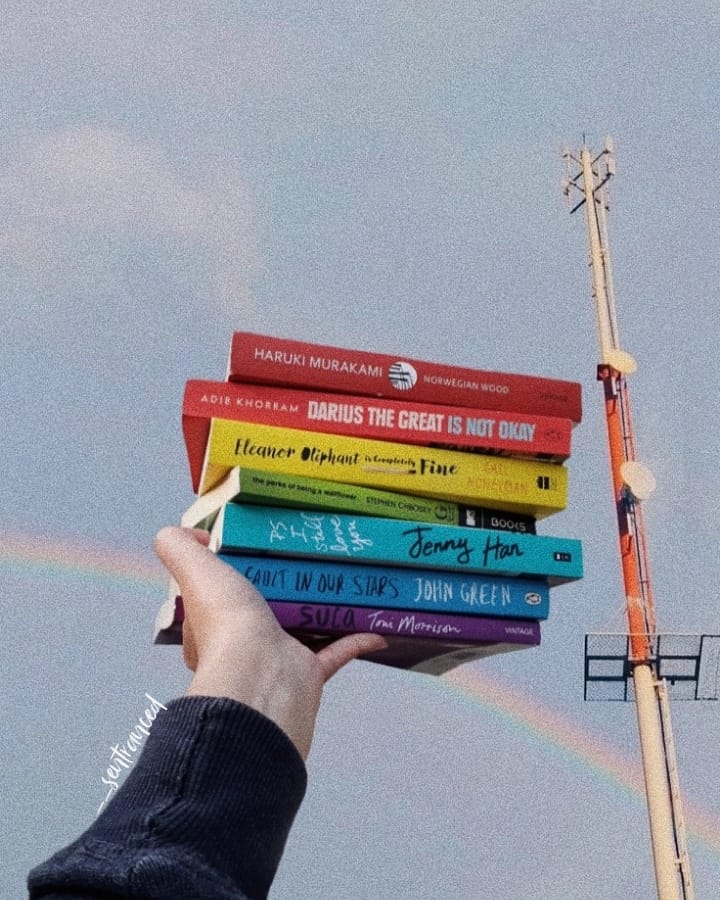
236,647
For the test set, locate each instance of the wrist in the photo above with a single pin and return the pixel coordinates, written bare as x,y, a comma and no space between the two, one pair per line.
290,703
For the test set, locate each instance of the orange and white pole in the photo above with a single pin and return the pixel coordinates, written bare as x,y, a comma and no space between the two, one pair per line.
620,438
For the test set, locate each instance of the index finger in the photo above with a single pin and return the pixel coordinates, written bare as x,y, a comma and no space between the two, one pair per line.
200,575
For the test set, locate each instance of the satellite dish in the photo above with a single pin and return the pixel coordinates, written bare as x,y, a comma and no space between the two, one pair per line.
621,361
639,480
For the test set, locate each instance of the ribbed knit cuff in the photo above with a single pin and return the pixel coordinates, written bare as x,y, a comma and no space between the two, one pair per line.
217,783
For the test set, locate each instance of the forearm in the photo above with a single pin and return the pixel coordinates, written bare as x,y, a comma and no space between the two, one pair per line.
205,812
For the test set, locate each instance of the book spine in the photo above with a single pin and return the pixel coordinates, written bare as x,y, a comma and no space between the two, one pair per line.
271,360
433,656
528,436
328,583
365,539
268,489
316,618
526,486
271,489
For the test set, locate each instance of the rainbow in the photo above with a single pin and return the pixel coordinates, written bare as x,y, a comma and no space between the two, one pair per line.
565,739
47,557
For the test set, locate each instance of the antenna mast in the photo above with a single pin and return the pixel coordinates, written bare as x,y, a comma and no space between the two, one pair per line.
631,483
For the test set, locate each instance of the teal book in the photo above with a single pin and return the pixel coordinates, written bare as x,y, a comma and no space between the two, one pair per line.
379,541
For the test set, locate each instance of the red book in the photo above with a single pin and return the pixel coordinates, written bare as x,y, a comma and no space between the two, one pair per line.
271,360
508,434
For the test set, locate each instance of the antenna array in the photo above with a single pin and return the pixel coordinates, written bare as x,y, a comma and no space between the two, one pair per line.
643,657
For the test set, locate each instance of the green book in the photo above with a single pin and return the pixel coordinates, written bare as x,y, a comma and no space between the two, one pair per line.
255,486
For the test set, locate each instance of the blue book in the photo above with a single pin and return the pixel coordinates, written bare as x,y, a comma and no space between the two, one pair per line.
313,581
367,539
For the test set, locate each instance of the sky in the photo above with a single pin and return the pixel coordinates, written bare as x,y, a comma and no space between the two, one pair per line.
377,175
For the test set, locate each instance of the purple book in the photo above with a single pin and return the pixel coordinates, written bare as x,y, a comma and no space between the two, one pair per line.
432,643
319,618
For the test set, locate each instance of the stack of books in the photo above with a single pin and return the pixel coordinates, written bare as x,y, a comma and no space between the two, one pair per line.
361,492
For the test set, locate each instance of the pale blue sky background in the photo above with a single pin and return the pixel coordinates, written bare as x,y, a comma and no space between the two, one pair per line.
383,175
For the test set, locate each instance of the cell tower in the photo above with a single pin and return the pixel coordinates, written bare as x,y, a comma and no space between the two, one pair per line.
642,665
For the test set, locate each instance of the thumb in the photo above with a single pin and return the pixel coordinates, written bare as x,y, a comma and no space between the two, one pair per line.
333,657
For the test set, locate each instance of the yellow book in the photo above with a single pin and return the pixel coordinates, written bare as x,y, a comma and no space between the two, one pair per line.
527,486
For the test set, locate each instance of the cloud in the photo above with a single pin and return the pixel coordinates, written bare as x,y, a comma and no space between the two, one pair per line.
72,195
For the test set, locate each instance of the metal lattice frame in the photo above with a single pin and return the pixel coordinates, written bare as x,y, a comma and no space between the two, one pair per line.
689,665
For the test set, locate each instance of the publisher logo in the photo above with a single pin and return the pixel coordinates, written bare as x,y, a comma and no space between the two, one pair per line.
403,376
533,599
